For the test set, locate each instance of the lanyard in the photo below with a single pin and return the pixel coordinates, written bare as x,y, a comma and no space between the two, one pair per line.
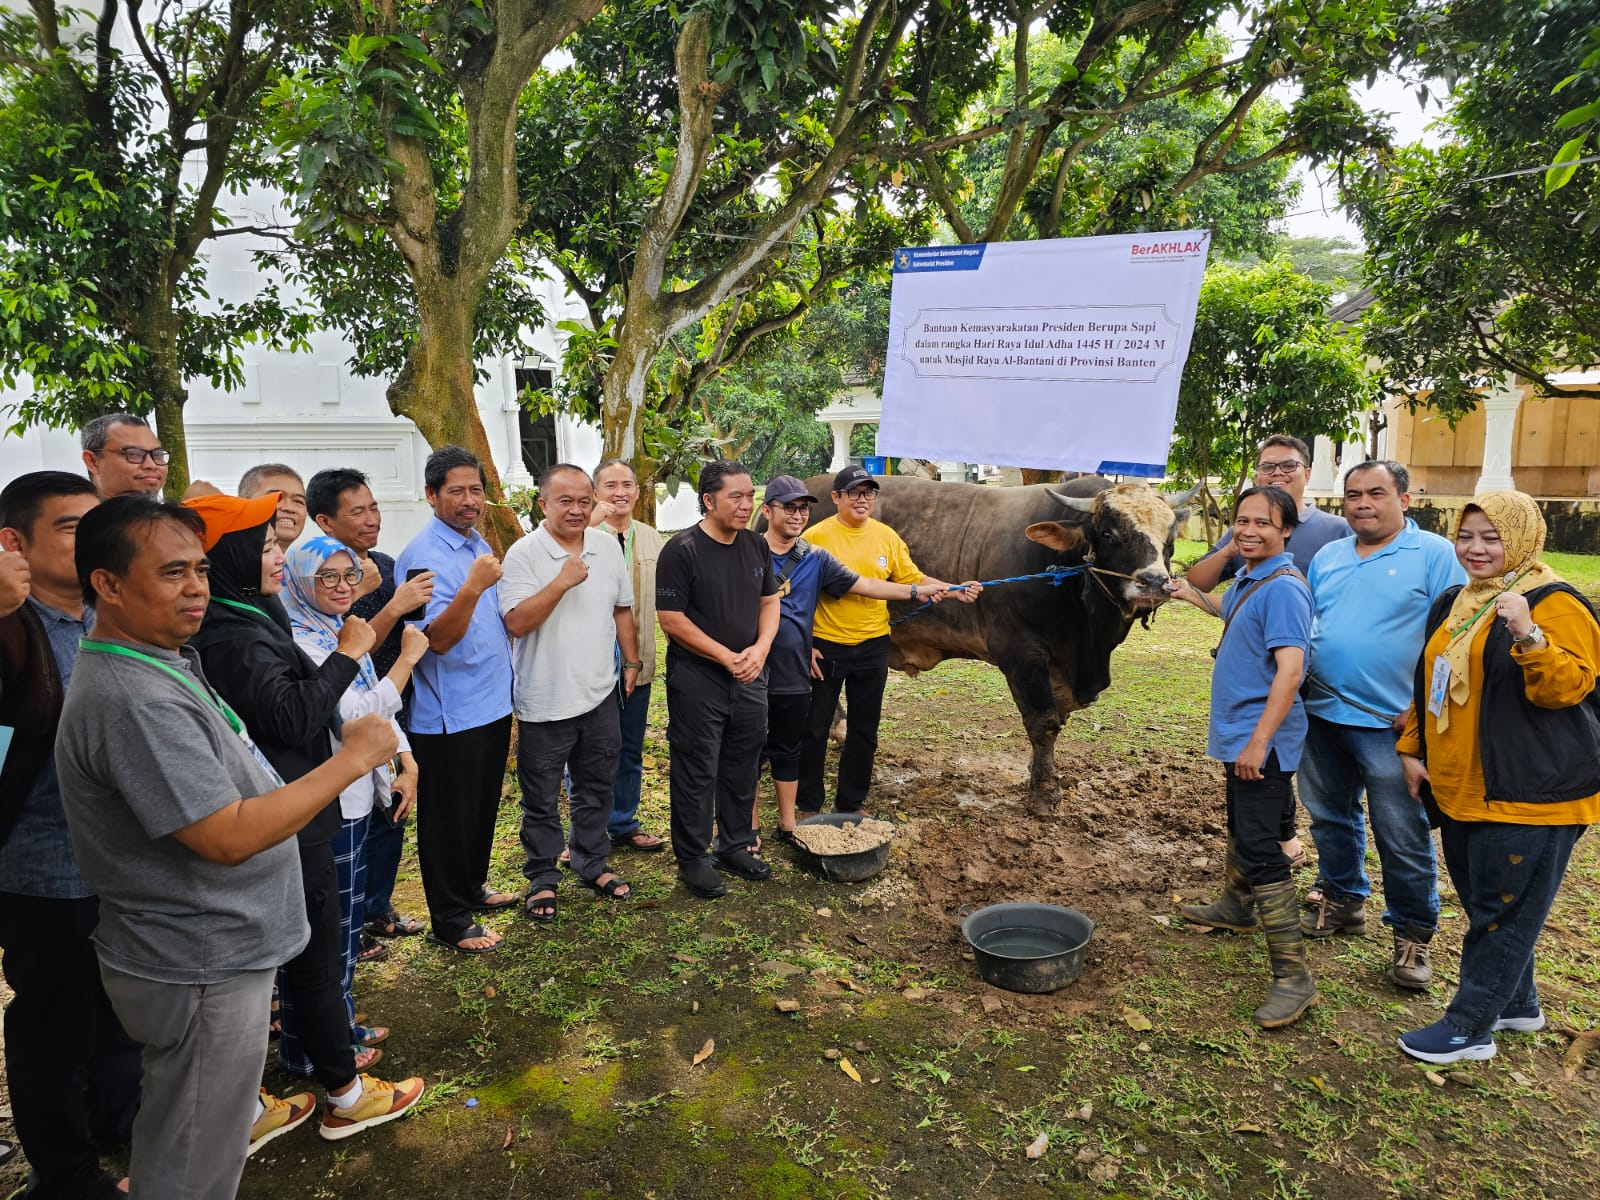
216,702
1487,605
626,542
245,608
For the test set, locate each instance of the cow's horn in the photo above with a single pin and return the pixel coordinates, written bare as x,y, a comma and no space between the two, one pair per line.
1083,504
1182,498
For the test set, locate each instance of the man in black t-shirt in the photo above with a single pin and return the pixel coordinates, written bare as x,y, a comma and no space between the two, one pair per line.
340,501
717,602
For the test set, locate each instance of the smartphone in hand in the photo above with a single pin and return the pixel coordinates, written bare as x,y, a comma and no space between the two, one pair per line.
421,611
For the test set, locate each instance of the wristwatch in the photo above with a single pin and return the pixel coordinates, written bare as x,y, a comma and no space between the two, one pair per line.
913,593
1533,637
633,666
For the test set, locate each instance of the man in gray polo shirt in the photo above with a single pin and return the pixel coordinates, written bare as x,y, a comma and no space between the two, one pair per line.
567,599
185,832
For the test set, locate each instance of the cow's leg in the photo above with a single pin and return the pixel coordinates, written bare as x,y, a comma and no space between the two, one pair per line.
1029,680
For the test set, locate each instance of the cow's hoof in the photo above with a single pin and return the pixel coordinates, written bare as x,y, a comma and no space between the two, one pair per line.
1043,804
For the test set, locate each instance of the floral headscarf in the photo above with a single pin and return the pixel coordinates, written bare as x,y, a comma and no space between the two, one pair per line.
1520,524
312,627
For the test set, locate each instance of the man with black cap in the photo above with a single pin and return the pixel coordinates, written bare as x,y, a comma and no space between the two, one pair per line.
804,573
851,643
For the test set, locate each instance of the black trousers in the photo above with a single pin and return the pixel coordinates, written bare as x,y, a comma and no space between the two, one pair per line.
311,984
1258,812
786,727
460,777
72,1071
586,748
862,672
715,727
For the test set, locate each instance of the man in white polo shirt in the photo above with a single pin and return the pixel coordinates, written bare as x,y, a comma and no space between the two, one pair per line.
567,599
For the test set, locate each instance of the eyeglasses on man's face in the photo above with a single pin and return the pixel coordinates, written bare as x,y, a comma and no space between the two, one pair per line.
1287,467
135,455
331,579
800,506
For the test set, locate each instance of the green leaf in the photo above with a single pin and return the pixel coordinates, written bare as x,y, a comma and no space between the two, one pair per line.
1564,165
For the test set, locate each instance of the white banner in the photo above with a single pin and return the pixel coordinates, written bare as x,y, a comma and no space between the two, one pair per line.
1061,354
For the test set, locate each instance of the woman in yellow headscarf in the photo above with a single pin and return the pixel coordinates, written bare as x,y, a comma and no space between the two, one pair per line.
1505,733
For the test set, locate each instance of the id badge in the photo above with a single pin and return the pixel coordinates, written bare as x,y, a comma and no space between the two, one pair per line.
1439,689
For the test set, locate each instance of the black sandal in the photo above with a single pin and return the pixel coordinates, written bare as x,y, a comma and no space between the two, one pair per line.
548,906
471,931
393,925
611,889
486,904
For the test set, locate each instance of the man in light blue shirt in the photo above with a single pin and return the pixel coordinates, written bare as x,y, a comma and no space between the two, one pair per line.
1371,595
460,721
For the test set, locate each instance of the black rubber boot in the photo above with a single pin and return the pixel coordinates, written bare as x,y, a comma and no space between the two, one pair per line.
1293,989
1234,911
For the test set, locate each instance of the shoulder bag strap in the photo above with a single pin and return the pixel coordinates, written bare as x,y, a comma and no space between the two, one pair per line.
799,550
1227,621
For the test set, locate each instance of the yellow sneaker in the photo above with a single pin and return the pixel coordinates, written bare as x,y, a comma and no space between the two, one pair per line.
380,1101
281,1116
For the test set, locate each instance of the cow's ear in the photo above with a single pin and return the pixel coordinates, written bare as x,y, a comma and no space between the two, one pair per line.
1056,535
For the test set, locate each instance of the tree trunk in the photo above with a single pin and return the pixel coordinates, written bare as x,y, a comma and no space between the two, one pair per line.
435,390
156,332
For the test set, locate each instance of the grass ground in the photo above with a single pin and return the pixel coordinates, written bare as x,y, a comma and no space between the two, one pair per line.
566,1064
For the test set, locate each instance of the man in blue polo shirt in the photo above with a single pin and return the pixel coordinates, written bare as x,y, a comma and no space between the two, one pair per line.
1282,462
460,721
1371,595
1257,731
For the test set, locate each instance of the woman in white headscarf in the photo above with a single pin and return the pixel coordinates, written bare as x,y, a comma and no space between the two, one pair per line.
320,580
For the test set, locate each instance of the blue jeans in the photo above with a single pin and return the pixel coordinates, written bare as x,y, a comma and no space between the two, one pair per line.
630,766
1507,877
1339,763
385,840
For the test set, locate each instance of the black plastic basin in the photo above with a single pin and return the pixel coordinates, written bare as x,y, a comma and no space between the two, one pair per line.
1029,947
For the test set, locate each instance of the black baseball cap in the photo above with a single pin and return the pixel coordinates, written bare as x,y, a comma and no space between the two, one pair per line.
785,489
852,477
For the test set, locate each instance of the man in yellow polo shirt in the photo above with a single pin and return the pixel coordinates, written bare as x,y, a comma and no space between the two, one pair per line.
850,649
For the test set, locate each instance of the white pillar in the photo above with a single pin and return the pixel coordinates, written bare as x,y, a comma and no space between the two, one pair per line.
1499,428
841,444
1321,465
516,472
953,472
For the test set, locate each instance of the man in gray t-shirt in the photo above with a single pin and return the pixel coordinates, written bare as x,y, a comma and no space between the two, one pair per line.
185,833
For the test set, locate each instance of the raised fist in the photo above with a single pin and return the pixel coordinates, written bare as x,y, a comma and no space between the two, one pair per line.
356,637
484,573
370,740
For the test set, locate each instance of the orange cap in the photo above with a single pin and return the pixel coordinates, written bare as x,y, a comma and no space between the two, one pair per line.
229,514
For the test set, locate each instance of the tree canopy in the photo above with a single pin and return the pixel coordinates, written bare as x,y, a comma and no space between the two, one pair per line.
1475,270
113,165
1265,359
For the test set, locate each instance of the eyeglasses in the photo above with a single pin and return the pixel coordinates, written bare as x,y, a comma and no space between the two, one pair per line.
804,506
1287,467
135,455
332,579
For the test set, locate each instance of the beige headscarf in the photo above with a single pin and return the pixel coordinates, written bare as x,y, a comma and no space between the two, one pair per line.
1518,521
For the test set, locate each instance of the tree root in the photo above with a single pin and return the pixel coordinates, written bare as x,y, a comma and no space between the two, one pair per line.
1584,1042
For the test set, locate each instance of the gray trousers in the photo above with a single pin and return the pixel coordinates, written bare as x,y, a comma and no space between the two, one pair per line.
586,747
204,1049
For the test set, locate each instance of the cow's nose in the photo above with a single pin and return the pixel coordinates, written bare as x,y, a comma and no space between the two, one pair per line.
1152,577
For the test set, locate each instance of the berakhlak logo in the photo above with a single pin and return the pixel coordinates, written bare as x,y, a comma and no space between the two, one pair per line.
883,561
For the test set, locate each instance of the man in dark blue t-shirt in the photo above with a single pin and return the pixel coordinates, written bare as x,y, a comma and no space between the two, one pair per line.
803,572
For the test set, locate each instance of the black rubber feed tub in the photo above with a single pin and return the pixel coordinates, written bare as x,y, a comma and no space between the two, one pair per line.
1029,947
844,868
